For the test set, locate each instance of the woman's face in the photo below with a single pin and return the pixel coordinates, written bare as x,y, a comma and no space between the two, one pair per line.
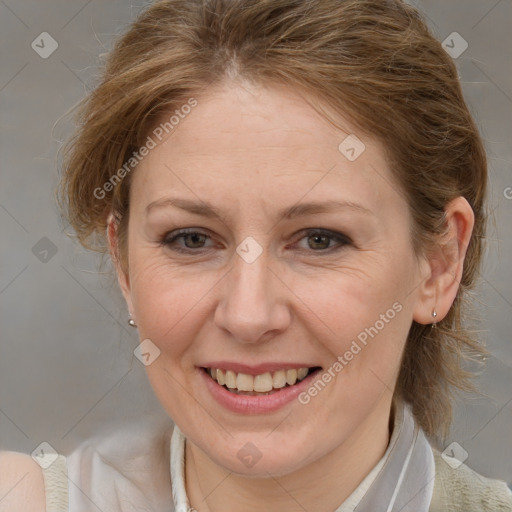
301,258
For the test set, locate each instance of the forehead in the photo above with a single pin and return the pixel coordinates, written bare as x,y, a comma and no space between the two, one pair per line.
243,142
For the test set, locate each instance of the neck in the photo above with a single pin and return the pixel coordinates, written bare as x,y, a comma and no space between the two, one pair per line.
212,488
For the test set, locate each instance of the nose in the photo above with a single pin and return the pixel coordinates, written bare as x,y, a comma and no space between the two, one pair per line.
252,307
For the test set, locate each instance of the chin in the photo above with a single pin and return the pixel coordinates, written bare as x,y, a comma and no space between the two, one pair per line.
260,458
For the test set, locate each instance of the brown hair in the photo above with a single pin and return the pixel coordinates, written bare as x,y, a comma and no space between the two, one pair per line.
374,61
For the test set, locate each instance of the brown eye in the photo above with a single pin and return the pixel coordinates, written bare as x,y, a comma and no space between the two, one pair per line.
191,240
196,240
325,241
318,241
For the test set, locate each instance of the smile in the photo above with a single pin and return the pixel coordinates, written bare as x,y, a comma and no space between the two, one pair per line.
258,385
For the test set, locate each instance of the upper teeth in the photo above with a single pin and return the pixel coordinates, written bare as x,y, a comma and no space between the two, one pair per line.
262,383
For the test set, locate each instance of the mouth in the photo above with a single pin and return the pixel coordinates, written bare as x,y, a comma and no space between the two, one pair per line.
267,383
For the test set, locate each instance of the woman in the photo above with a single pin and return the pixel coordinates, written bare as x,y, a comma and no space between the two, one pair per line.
293,196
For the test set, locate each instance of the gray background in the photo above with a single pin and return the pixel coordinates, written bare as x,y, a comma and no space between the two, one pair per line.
67,369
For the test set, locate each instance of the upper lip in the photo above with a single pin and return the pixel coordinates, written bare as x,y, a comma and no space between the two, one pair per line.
255,369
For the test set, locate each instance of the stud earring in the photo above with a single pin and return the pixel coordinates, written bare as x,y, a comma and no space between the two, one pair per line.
131,321
434,315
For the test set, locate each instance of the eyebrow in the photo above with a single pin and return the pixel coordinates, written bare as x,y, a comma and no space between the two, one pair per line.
205,209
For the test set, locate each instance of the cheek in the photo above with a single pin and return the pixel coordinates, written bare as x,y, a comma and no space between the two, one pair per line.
363,317
165,300
349,299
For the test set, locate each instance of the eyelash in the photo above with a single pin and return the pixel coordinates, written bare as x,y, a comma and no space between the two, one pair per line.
343,240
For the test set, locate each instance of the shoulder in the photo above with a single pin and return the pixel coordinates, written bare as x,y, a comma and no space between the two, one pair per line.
21,483
126,464
459,488
128,447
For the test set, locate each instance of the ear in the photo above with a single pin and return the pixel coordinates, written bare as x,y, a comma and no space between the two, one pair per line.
444,265
122,276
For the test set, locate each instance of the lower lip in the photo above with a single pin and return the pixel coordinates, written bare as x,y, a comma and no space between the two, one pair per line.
247,404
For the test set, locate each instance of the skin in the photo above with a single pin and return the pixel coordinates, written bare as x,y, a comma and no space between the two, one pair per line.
251,151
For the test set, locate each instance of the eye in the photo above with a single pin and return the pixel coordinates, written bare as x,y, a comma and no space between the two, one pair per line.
192,239
319,240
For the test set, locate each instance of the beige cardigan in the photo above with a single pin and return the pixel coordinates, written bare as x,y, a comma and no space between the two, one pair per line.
464,490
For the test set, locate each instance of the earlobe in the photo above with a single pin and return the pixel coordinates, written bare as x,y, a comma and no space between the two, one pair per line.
122,276
445,264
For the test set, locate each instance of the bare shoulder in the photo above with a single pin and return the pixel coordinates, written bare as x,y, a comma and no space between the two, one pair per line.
21,483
